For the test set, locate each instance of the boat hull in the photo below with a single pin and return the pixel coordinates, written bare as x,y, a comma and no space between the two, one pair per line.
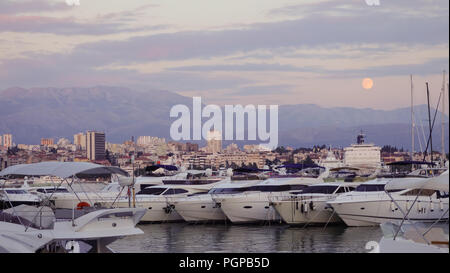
249,209
318,212
200,210
374,213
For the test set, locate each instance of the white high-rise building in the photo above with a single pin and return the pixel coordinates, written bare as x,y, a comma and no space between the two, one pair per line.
214,139
7,141
95,145
362,155
80,141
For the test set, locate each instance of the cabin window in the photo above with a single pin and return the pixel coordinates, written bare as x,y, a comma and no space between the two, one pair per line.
15,191
227,190
320,189
298,187
342,190
152,191
370,187
174,191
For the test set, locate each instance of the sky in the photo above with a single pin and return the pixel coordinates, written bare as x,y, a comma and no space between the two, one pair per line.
232,51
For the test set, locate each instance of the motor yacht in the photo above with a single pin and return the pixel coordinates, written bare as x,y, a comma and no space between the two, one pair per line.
160,201
309,206
200,207
411,236
371,205
252,204
27,228
11,197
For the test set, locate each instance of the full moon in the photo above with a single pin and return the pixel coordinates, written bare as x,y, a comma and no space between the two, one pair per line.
367,83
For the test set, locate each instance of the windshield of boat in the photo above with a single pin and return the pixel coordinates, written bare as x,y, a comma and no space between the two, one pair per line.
370,187
16,191
174,191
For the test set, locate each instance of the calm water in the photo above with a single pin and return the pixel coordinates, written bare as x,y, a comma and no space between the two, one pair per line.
183,237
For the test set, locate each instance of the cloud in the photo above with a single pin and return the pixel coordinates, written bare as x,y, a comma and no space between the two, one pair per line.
243,67
316,31
12,19
263,90
15,7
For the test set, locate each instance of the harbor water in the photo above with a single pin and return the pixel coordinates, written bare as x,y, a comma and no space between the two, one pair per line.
200,238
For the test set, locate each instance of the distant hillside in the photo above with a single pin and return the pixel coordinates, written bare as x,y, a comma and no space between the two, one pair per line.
30,114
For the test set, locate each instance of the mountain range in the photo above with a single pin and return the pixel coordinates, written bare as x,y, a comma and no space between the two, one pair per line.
33,113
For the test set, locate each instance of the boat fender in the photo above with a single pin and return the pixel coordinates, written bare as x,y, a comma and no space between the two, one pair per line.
302,209
305,207
311,205
441,205
72,247
431,206
419,207
168,209
296,205
392,206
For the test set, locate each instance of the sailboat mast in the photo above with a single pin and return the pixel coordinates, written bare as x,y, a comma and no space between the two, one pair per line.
443,121
412,120
429,124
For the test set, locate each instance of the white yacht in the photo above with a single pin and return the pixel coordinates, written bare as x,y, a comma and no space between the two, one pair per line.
310,206
159,201
416,237
27,228
251,204
107,195
371,205
11,197
207,207
200,207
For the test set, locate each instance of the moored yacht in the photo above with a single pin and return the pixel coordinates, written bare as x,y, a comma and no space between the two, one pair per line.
309,206
416,237
252,204
27,228
200,207
160,201
11,197
207,207
371,205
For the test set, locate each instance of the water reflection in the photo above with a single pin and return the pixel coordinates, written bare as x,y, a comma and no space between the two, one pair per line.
183,237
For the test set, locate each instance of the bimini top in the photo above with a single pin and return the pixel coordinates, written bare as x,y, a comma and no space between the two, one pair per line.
434,183
61,169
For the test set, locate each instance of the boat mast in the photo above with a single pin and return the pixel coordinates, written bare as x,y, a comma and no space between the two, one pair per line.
429,124
443,121
412,120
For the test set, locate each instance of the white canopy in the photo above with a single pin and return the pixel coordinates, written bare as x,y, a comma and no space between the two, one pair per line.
61,169
440,183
